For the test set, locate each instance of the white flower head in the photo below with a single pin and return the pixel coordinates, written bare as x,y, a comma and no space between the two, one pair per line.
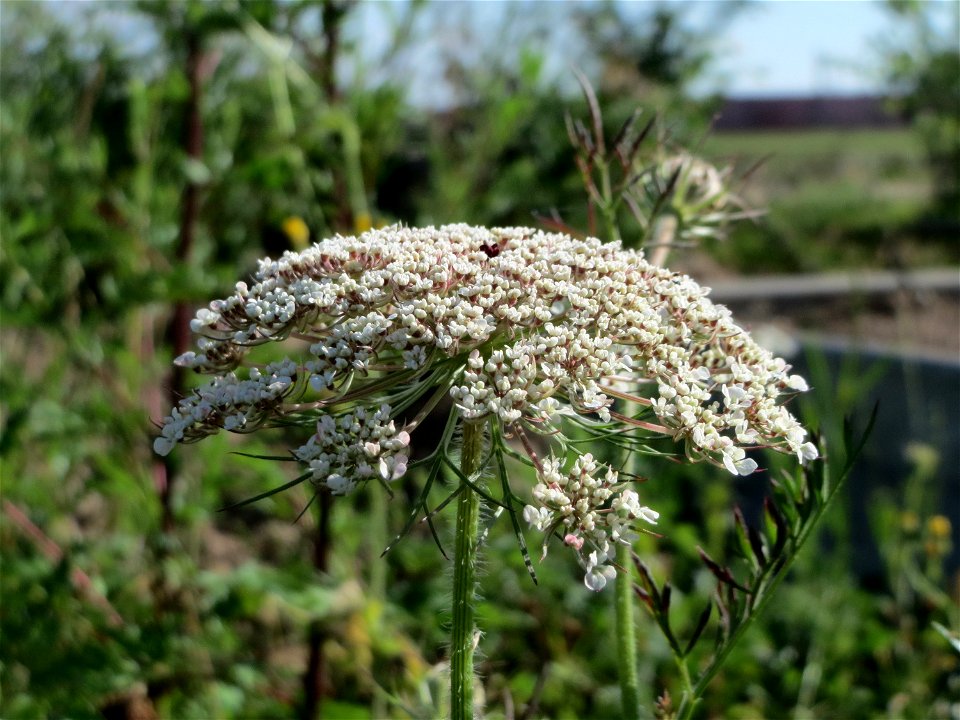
597,574
573,316
591,509
523,328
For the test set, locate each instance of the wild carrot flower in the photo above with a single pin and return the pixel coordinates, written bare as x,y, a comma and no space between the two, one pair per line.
527,331
586,508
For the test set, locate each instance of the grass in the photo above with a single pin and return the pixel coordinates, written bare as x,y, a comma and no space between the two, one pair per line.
836,199
792,143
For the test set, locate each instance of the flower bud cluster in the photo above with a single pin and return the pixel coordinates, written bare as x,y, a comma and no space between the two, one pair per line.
228,402
691,195
700,184
355,447
587,509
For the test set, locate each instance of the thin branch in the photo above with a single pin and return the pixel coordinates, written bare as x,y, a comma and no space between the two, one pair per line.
53,552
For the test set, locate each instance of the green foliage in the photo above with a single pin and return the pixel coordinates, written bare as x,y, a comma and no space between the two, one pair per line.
924,75
791,515
835,199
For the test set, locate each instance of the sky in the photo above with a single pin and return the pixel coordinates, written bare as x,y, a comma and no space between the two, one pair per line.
773,47
803,47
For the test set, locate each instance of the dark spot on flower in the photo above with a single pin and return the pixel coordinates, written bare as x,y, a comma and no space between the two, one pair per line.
491,251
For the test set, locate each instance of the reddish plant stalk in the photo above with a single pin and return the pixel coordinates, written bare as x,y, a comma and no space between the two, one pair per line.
178,331
315,677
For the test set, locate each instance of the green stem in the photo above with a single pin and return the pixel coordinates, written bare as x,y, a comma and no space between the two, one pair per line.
688,690
626,636
763,589
377,538
464,578
625,618
609,207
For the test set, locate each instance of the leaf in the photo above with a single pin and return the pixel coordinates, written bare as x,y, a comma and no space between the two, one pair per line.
642,136
773,512
279,458
666,192
665,599
951,638
618,140
421,503
626,127
742,536
721,573
750,541
756,543
644,595
514,520
663,619
701,626
649,585
594,107
286,486
436,538
793,487
848,439
819,486
723,629
732,601
472,485
305,508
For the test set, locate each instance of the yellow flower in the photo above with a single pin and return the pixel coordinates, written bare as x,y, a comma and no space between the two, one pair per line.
938,527
937,542
362,222
297,230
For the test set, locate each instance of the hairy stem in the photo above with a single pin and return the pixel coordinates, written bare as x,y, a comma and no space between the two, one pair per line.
464,578
626,636
625,622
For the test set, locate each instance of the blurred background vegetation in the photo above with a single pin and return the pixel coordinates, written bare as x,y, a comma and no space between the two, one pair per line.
150,152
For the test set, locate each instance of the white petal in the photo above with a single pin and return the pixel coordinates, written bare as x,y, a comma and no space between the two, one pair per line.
163,445
746,466
728,464
651,516
596,579
808,451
